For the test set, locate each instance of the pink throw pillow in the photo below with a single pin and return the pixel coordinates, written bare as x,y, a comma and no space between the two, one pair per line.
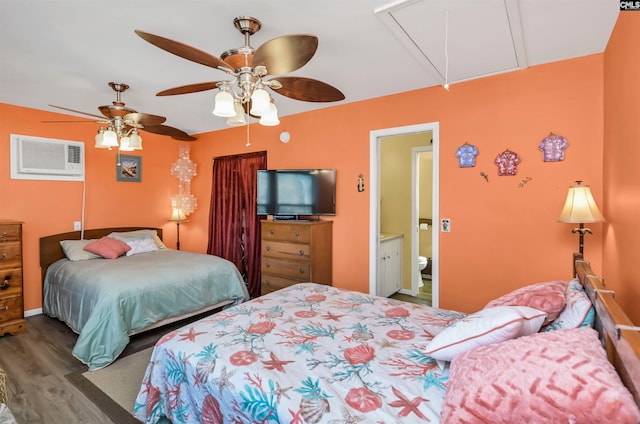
108,248
554,377
548,297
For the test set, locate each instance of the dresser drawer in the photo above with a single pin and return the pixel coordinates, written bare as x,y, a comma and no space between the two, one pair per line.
299,270
13,279
286,232
273,282
10,308
10,255
9,232
281,249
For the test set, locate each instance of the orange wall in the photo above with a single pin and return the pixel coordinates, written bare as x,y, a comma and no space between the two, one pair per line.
496,226
621,171
50,207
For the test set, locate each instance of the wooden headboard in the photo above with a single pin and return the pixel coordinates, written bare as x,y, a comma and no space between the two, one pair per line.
620,338
51,251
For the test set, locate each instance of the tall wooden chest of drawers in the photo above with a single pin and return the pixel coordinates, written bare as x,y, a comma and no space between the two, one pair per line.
11,302
295,252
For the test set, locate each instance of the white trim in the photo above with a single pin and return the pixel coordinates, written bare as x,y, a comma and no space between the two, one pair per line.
374,198
32,312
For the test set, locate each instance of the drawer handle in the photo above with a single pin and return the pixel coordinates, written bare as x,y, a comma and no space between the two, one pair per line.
301,252
4,256
297,233
267,282
5,234
268,264
268,248
301,270
5,283
272,231
4,308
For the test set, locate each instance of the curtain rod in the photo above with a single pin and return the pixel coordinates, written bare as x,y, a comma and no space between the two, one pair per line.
241,155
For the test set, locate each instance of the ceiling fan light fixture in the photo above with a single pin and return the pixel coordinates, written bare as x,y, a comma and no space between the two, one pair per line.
238,119
110,138
135,141
100,139
270,118
224,104
260,101
125,144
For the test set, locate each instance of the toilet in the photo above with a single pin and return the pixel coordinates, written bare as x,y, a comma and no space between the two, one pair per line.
423,261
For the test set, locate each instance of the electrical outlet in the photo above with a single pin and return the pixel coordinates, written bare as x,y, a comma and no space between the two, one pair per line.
77,226
445,225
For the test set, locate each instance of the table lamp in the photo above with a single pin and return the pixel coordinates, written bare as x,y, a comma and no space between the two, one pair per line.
580,208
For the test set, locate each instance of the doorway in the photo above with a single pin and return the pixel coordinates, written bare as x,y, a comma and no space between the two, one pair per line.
413,215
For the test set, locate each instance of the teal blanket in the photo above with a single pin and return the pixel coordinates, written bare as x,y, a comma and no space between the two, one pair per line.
106,300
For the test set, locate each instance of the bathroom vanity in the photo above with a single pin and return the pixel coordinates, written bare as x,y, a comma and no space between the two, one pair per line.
389,278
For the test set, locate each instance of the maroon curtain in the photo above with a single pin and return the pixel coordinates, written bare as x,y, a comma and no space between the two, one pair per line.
234,227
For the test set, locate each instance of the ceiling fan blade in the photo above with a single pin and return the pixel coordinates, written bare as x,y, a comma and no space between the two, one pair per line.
190,88
308,90
285,54
184,51
76,122
78,111
169,131
142,119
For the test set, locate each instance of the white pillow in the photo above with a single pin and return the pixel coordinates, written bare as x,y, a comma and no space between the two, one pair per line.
137,234
74,250
487,326
140,245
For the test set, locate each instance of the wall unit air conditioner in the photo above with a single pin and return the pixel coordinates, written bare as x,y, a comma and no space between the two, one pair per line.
37,158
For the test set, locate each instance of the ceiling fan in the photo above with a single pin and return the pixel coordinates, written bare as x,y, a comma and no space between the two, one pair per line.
123,122
248,66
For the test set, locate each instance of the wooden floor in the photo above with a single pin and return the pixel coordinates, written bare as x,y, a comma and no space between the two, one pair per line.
424,296
37,362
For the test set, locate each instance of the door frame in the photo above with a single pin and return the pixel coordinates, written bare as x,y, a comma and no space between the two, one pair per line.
374,202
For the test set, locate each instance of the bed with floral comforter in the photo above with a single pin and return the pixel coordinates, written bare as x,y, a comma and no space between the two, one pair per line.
306,354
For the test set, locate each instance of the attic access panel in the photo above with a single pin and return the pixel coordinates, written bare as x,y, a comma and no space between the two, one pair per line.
475,38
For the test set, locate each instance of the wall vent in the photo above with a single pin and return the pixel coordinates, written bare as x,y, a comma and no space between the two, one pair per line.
37,158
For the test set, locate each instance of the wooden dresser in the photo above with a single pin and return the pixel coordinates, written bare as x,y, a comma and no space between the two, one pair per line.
11,303
295,252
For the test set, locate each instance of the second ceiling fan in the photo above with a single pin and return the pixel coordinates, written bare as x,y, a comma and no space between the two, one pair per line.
249,66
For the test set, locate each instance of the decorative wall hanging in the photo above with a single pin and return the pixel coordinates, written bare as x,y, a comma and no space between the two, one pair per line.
552,147
524,182
466,155
129,168
184,169
507,162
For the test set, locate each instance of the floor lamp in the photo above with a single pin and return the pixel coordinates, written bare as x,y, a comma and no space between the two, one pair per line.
580,208
178,216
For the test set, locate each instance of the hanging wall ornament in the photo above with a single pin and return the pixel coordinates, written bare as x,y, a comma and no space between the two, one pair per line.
184,169
507,162
552,147
466,155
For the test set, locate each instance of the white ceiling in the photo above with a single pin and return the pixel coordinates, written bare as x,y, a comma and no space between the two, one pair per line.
64,52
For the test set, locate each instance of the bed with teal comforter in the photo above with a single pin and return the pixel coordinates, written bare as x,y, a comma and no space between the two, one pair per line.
105,301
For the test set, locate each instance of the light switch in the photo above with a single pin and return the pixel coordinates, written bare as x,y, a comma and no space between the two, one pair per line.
445,225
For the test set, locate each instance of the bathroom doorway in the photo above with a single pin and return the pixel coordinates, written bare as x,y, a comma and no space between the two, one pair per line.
394,155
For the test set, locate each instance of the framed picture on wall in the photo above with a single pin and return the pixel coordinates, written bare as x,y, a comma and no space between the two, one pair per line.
129,168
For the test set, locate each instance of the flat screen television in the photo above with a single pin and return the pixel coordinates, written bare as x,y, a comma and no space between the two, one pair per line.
294,193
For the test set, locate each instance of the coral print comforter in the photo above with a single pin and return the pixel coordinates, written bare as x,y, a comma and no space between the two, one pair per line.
306,354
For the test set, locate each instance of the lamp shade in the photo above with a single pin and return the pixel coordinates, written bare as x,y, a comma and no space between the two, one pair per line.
177,215
580,206
224,104
238,119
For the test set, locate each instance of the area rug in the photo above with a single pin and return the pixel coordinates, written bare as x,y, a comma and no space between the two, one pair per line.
113,389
